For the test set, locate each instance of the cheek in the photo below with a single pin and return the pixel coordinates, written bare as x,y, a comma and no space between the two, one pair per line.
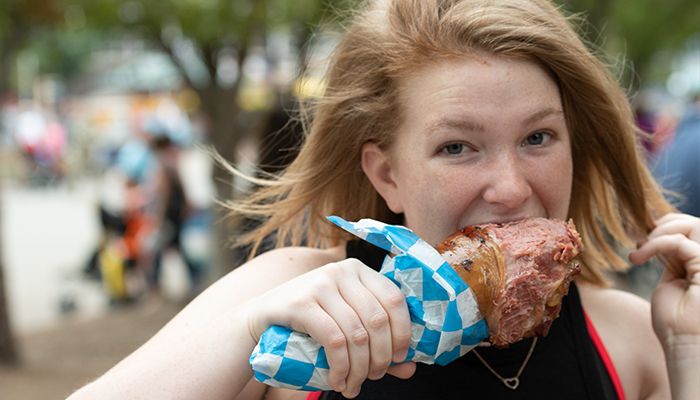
438,198
554,187
443,189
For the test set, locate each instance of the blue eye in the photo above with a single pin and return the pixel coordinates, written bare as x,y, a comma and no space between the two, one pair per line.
537,138
453,148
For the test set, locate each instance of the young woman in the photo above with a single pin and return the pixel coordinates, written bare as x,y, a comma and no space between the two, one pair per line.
437,115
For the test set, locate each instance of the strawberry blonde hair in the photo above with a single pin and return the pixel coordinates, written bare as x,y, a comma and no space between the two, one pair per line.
614,198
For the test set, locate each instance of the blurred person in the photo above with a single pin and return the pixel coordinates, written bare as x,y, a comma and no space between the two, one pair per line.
169,210
43,140
124,227
439,115
677,166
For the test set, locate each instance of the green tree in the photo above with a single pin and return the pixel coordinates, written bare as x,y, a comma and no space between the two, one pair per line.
8,350
637,32
18,21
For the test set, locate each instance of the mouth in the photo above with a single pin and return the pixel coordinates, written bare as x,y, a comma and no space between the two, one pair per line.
501,221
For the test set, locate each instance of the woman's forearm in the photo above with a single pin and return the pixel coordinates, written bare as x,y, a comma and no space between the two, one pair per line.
183,361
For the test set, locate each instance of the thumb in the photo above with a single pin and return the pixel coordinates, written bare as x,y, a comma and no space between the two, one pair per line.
403,371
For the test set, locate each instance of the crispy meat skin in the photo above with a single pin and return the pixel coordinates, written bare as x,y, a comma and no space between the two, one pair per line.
518,271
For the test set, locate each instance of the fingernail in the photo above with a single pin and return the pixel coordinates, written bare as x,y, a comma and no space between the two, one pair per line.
400,356
376,375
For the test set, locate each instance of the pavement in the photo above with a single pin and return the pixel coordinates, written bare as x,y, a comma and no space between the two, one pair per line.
57,361
65,329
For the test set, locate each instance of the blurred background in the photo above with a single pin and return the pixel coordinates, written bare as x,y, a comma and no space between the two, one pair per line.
111,111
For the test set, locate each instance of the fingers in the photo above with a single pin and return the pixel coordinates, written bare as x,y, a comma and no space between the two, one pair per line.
677,223
373,315
676,240
382,310
359,316
403,371
673,216
394,302
354,344
377,334
682,254
321,326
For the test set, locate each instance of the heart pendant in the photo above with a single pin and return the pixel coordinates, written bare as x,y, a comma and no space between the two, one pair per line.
512,383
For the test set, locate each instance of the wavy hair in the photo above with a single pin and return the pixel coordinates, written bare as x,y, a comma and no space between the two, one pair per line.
614,197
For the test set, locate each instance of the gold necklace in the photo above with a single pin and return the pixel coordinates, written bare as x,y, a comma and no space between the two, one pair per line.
514,381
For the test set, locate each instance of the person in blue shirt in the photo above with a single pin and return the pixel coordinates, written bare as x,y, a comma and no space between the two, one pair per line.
677,167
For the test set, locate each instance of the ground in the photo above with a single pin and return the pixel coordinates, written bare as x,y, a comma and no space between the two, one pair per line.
55,362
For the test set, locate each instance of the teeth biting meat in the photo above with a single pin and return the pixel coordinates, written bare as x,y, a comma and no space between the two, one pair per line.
519,272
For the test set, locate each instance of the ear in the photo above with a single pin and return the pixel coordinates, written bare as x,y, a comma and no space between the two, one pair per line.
377,166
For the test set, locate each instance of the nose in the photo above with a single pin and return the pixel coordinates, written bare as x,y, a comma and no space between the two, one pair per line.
508,185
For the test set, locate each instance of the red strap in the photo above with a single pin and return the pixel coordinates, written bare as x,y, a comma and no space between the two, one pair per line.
314,396
600,346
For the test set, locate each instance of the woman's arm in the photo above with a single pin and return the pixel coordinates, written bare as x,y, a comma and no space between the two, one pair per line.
359,316
676,299
203,352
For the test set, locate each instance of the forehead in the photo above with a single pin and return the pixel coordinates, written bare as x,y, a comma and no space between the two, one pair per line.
488,89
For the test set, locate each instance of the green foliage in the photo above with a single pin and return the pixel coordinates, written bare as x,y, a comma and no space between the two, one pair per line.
637,30
61,31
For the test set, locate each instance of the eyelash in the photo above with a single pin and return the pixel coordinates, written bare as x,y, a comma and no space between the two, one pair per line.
547,136
463,147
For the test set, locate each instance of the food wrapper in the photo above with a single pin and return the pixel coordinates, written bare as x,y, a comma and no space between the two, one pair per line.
445,318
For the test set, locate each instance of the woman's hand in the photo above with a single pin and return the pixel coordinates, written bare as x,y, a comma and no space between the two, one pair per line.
676,299
358,315
675,304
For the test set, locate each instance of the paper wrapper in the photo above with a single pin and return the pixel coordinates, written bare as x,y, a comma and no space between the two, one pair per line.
445,318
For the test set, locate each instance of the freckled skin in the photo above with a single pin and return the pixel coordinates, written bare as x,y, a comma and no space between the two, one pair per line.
500,176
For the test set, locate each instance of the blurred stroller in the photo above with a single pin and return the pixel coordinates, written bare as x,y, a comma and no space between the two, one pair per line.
115,260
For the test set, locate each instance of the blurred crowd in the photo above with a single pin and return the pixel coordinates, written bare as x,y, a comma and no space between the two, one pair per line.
150,218
672,144
146,208
676,165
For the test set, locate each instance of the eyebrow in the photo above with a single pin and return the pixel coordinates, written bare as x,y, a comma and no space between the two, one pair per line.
468,125
458,123
542,114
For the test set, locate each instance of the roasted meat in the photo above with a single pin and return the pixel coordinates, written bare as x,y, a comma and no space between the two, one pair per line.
519,272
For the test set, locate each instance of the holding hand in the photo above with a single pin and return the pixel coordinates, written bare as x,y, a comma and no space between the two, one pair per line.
676,299
675,304
359,316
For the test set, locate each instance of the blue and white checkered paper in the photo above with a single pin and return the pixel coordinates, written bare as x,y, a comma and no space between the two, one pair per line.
445,318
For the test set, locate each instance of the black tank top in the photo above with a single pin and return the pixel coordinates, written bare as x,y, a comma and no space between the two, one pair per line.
564,365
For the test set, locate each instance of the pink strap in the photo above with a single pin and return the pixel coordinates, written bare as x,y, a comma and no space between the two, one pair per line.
314,396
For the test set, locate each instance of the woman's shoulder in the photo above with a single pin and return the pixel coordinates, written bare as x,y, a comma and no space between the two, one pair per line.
277,266
597,299
296,259
623,322
620,317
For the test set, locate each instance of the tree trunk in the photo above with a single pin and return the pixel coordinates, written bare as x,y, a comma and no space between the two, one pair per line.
8,350
226,130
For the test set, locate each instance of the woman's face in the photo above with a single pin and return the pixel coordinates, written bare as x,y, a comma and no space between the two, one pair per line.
481,140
